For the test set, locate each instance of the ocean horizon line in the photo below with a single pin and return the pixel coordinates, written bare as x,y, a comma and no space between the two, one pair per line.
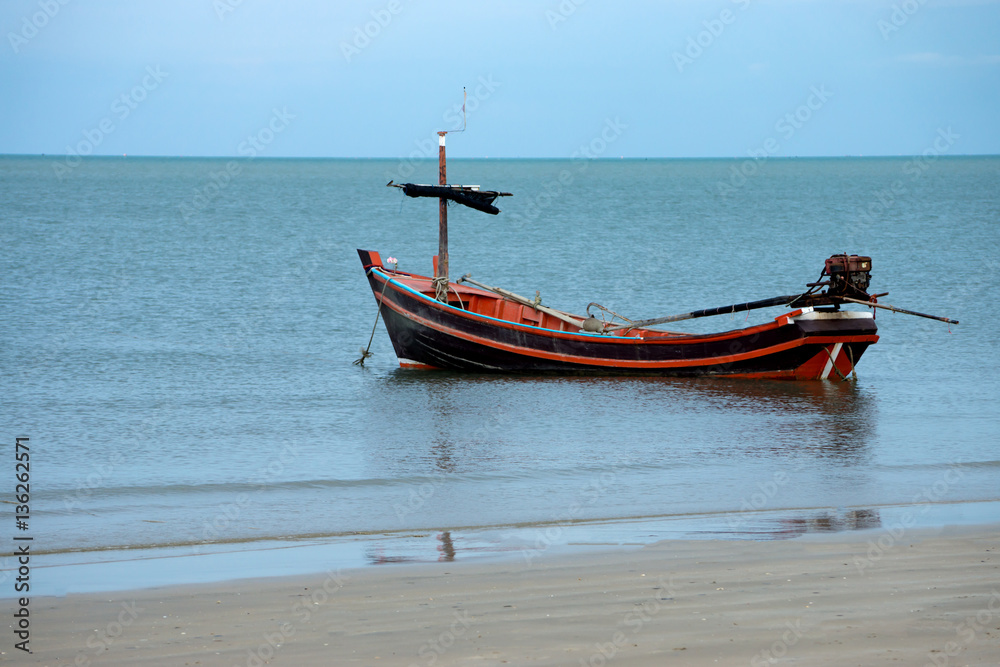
274,158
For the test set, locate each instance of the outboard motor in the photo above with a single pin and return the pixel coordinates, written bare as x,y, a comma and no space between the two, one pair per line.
849,275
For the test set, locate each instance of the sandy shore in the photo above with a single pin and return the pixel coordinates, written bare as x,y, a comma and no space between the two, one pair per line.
928,597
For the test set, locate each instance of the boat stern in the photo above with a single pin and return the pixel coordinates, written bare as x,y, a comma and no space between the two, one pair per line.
835,340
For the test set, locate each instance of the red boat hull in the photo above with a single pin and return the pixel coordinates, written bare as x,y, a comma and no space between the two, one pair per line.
482,332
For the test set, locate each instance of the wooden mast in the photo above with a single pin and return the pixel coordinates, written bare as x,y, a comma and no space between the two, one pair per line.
441,273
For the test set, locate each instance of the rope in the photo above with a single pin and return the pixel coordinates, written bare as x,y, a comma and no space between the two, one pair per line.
440,288
441,294
460,302
834,364
365,352
606,310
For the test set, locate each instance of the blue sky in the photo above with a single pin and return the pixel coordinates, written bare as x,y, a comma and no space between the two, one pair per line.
377,78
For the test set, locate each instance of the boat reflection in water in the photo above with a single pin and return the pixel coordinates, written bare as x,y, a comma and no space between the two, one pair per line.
487,470
462,423
442,547
826,522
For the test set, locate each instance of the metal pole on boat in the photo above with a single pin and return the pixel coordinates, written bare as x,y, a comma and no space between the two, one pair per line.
899,310
441,275
708,312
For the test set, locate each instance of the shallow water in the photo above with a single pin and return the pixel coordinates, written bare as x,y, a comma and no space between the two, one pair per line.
183,365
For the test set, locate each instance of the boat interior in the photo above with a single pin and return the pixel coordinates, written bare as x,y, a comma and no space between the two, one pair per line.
491,304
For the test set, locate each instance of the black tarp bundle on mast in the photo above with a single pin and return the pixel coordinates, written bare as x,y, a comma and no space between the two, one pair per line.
467,195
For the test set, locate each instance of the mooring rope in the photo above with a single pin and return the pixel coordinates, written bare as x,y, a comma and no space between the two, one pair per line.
366,352
834,363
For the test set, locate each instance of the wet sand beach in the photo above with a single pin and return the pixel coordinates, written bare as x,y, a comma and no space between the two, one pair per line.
883,597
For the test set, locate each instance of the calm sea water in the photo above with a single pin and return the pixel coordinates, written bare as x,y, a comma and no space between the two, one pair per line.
177,342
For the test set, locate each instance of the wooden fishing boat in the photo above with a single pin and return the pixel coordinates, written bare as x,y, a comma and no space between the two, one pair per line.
487,331
464,325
